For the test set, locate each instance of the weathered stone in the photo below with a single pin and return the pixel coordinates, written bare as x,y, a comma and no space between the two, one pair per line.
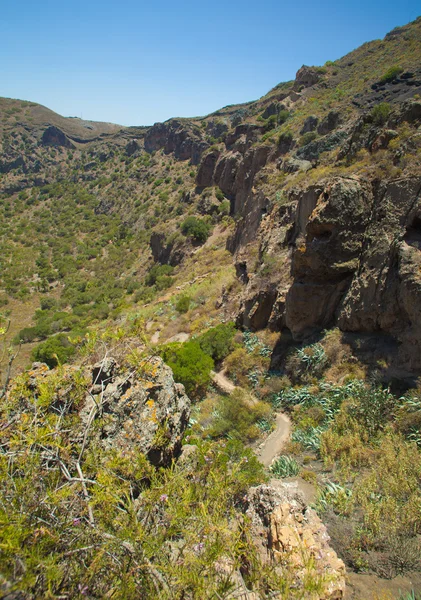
206,169
146,411
306,77
310,124
329,123
132,147
288,532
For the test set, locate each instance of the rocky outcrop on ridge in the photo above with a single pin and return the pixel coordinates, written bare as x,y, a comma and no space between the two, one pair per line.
142,408
289,533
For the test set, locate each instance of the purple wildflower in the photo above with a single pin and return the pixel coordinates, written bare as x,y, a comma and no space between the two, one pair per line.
198,548
163,497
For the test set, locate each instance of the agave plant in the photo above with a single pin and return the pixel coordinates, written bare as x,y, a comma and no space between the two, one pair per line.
285,466
333,495
308,438
265,425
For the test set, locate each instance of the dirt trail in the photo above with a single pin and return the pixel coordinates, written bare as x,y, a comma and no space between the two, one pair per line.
222,382
275,442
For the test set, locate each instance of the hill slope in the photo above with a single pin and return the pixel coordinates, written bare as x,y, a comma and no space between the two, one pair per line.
279,241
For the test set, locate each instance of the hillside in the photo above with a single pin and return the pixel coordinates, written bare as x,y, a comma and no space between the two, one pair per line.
276,242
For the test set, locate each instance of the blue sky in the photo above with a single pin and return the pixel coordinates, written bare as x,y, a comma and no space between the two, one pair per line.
135,62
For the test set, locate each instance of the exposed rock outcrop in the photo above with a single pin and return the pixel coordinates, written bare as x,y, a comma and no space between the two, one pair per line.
145,408
178,137
289,533
306,77
53,136
355,262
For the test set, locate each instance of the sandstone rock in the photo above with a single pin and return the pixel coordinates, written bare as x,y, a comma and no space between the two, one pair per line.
289,533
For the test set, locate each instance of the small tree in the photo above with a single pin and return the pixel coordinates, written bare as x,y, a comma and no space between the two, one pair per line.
196,228
190,366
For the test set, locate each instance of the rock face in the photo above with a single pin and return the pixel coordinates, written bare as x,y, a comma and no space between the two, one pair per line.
167,253
355,262
146,410
183,140
53,136
289,533
306,77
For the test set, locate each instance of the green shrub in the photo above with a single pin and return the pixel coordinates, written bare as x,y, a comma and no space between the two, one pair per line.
183,304
191,366
196,228
48,303
217,341
159,275
285,139
224,208
380,113
238,416
391,74
56,350
282,116
308,137
306,363
219,194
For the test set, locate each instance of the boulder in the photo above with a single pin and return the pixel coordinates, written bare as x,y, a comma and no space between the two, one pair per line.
329,123
306,77
287,532
310,124
145,408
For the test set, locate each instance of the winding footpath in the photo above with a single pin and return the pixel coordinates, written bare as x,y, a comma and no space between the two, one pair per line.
275,442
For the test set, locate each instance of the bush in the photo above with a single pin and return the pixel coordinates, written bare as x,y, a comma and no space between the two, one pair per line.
239,364
159,276
190,366
56,350
238,416
391,74
308,137
183,304
380,113
48,303
285,139
306,363
196,228
217,341
282,116
224,208
219,194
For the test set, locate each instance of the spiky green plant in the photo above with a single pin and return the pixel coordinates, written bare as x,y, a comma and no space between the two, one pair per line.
285,466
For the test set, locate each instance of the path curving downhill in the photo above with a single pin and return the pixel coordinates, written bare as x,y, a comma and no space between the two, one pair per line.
275,442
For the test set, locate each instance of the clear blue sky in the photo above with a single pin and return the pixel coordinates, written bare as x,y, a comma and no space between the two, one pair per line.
135,62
